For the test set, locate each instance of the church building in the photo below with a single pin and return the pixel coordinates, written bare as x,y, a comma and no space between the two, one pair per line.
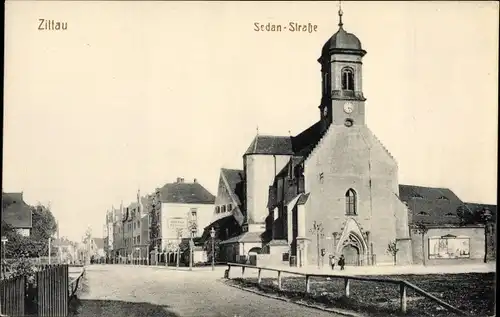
333,189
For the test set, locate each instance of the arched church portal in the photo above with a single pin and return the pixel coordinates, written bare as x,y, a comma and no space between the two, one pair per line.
354,250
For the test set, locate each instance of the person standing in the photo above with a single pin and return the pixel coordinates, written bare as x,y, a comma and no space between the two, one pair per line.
342,262
332,262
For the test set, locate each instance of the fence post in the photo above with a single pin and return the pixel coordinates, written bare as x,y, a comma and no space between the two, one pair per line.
402,297
346,286
308,283
279,280
259,279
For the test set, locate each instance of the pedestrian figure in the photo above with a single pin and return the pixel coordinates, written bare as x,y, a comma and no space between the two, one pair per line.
342,262
332,262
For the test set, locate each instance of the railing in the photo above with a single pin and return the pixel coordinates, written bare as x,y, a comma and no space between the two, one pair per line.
73,285
403,285
12,294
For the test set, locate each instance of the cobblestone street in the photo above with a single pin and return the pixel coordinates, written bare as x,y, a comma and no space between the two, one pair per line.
116,290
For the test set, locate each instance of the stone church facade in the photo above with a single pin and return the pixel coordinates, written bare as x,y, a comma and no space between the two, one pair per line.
333,189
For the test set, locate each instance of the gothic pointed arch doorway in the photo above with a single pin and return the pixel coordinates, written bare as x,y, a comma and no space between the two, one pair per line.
354,249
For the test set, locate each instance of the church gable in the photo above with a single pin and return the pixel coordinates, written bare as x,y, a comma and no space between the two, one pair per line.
351,151
228,202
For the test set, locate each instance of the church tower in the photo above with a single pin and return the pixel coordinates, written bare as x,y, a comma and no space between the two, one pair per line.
342,101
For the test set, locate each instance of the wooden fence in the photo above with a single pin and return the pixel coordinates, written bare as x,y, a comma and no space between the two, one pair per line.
52,290
47,295
403,285
12,295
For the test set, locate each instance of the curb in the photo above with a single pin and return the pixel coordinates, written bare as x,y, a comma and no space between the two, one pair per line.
284,299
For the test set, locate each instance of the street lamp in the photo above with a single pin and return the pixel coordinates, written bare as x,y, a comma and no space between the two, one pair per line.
212,234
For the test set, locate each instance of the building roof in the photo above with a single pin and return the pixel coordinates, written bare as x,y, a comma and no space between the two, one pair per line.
186,193
431,205
245,237
99,242
15,211
303,199
268,144
474,207
234,178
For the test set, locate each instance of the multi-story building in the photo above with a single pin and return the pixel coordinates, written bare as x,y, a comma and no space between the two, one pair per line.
109,234
179,210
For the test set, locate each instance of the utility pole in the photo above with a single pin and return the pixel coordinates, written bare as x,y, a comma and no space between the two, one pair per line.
50,249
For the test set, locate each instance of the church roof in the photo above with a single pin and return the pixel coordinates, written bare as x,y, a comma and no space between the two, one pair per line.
268,144
186,193
304,142
342,42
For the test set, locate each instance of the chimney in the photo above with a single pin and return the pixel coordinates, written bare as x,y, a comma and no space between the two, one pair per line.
179,180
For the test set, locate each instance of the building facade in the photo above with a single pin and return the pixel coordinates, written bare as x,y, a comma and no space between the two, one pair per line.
333,189
186,208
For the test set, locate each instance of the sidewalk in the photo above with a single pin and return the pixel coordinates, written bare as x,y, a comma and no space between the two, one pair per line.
395,270
173,267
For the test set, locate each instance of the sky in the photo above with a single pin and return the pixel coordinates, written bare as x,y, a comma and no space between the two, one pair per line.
135,94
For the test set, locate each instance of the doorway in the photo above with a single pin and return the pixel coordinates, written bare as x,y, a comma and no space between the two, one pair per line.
351,254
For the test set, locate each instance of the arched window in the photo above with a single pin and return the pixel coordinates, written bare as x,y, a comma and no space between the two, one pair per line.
347,79
350,202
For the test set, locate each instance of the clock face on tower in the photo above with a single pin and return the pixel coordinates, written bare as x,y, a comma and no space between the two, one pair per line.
348,107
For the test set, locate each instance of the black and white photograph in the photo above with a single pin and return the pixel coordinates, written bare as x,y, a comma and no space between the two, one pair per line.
249,158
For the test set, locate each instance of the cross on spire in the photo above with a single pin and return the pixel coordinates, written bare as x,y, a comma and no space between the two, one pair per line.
340,14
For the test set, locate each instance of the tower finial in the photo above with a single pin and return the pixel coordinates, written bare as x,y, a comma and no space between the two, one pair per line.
257,130
340,14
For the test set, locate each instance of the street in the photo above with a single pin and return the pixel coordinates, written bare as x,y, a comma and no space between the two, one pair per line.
119,290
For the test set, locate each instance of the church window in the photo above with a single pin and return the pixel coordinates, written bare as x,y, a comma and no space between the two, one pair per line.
229,207
350,202
223,208
347,79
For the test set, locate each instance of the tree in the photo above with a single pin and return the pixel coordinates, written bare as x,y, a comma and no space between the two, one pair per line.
207,246
421,228
37,244
317,229
393,250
